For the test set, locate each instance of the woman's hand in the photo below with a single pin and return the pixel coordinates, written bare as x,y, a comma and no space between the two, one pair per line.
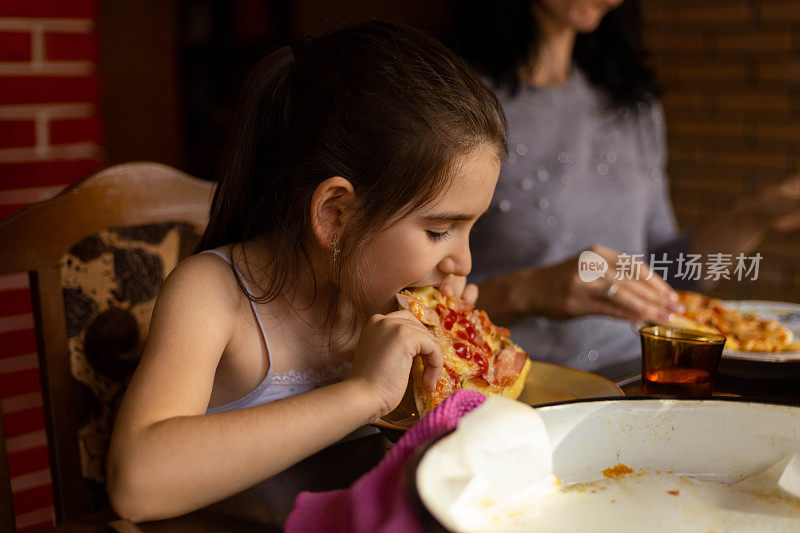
557,291
382,361
742,229
645,297
777,208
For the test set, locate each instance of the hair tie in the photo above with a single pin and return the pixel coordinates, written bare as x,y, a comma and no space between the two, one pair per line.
301,46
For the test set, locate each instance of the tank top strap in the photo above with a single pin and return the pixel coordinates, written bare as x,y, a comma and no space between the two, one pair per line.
227,259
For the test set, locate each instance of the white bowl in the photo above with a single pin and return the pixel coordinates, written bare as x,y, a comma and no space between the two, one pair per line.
710,440
723,440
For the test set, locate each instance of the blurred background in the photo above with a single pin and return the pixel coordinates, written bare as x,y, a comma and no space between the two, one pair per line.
87,83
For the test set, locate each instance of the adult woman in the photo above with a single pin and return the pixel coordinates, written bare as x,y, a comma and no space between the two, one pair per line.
586,171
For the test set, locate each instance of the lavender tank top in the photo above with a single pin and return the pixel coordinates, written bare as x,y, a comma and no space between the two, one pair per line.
276,386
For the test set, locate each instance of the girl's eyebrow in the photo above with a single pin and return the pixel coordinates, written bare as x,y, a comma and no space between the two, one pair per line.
450,217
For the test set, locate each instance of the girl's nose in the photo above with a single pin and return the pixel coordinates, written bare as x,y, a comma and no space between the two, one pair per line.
458,262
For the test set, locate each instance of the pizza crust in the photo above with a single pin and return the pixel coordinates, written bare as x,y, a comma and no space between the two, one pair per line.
511,392
422,396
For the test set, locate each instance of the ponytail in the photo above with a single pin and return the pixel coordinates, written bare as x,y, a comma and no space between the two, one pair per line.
253,144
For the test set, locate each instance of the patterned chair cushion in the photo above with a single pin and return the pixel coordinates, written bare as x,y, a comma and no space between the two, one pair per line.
110,281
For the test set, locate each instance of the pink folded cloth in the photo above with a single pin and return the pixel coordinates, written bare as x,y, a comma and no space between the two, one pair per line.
377,501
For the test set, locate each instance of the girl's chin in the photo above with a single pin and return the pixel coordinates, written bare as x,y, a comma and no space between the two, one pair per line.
381,306
588,25
389,306
588,18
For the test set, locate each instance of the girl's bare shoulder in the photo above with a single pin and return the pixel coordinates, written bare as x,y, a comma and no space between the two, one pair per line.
206,279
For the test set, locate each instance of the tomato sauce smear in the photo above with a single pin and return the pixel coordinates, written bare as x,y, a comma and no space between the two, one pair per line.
471,347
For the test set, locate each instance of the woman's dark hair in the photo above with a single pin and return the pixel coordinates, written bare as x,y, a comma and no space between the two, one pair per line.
387,107
500,38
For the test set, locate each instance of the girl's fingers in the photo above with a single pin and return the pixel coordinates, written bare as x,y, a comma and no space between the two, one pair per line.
406,317
453,285
425,345
431,353
470,294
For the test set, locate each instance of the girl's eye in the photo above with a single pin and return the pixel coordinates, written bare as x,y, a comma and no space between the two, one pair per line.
432,235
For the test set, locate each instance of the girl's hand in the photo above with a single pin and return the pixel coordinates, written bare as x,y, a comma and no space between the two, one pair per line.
382,361
559,292
457,286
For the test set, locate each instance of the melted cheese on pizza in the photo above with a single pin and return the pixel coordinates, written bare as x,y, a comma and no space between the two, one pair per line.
477,354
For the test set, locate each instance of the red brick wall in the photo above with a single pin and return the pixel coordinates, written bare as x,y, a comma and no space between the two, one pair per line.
50,136
731,72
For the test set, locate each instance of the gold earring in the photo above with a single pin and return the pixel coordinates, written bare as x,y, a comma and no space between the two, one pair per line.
335,244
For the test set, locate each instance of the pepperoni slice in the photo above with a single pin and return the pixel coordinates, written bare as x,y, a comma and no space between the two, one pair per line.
508,365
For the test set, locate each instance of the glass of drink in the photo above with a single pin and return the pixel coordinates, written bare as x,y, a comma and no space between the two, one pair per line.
679,362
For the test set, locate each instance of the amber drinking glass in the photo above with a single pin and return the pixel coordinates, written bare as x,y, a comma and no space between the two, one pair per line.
679,362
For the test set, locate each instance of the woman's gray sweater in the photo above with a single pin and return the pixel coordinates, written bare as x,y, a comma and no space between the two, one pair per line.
579,172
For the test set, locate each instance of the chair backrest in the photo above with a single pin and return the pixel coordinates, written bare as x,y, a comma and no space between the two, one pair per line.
127,226
7,522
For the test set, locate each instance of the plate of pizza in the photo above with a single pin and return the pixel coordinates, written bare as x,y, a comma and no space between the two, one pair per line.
480,355
756,330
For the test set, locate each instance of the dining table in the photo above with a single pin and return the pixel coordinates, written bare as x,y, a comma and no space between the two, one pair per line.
265,507
780,390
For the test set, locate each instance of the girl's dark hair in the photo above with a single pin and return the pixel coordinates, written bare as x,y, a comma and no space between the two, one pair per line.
499,38
387,107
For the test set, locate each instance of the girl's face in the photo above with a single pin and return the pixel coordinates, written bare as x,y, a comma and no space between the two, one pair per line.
581,15
423,248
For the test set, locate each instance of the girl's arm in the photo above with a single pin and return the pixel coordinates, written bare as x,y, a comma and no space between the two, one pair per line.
167,457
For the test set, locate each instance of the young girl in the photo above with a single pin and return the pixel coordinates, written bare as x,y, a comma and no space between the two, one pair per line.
357,168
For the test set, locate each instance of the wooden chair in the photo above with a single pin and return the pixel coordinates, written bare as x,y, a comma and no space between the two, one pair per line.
36,239
7,522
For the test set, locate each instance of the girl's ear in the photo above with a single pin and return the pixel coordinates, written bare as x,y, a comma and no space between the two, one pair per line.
330,203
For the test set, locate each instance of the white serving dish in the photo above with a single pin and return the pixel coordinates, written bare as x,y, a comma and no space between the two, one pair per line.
722,440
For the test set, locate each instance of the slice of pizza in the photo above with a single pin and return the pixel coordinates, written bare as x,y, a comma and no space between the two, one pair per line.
477,354
744,332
